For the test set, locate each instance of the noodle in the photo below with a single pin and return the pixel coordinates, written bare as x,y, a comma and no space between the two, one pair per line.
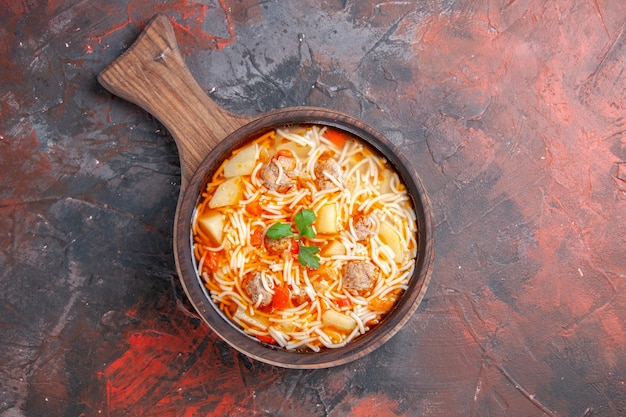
310,240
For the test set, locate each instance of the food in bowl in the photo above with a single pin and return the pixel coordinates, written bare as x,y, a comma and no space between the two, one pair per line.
305,238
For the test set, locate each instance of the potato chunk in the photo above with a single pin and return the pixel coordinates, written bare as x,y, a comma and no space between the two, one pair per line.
338,320
242,163
390,237
335,247
255,321
327,219
212,223
227,193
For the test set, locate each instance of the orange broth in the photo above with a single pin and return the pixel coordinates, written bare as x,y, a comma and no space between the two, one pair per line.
342,203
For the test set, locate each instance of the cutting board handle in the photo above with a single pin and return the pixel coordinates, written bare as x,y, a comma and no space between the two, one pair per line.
153,75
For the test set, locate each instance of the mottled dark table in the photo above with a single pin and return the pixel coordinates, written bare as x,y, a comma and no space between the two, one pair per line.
513,113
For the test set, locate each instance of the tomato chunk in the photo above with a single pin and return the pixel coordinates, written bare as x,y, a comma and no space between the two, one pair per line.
212,260
266,339
256,237
336,137
254,208
280,301
295,247
343,302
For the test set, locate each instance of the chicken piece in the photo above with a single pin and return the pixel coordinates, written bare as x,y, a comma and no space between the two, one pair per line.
278,246
278,173
326,166
252,284
298,296
359,277
364,226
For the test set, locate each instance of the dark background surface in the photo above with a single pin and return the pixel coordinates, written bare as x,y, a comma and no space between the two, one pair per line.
512,112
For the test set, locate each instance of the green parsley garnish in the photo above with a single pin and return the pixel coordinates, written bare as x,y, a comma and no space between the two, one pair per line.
307,256
304,220
278,230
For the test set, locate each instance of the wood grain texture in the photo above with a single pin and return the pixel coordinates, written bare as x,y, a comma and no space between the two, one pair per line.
153,75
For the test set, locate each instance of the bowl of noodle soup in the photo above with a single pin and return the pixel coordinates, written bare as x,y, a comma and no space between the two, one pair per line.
304,239
302,236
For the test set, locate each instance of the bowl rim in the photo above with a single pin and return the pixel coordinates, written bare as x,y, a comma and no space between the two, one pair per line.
246,344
